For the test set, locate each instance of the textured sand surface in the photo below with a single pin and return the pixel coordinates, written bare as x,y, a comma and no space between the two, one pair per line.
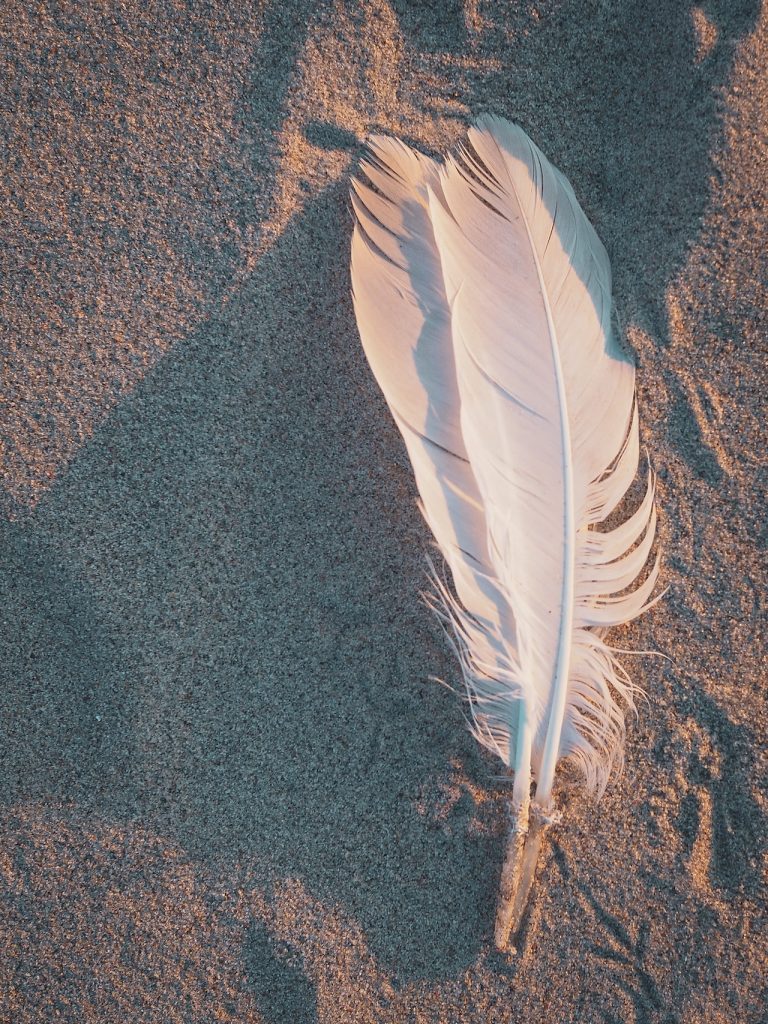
230,790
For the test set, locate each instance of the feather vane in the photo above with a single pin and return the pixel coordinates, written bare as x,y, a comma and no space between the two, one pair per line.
483,300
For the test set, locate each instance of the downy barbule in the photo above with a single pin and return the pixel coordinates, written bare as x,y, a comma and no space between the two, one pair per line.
483,300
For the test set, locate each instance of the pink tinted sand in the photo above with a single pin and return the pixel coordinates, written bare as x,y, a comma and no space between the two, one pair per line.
231,791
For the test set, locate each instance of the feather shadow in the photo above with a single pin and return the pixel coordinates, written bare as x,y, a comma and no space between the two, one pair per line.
221,523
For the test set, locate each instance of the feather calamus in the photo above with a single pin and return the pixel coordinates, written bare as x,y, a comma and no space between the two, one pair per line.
483,300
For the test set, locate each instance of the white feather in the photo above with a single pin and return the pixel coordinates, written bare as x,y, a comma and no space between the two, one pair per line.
483,300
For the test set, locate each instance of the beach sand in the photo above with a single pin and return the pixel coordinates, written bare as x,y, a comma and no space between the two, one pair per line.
231,790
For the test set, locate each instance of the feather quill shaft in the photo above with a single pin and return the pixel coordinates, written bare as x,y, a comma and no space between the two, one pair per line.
483,301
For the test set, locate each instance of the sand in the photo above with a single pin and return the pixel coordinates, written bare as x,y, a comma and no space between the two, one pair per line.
231,791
